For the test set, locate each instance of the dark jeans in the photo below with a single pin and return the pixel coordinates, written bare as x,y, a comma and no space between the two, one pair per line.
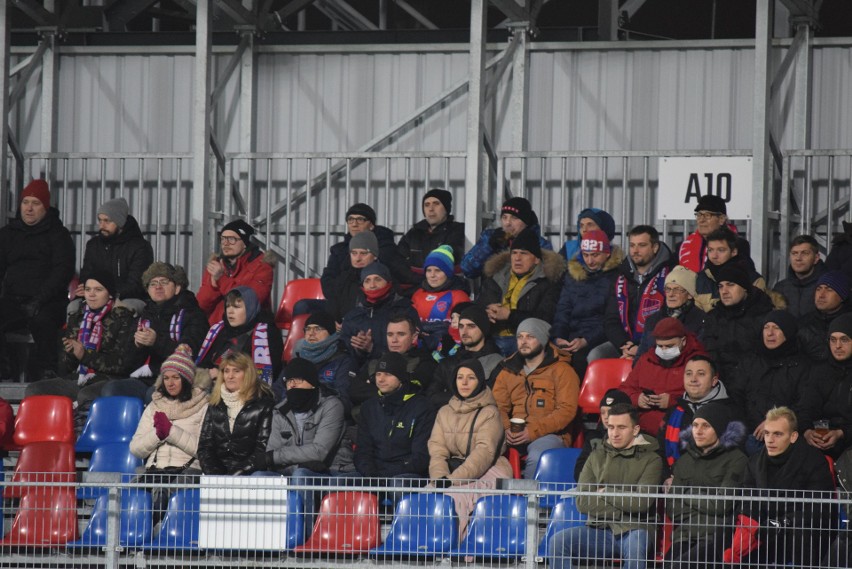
45,327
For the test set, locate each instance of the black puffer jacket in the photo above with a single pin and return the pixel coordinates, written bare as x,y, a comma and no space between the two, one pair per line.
733,332
159,315
813,332
769,380
125,256
37,261
539,296
421,239
222,451
831,398
799,293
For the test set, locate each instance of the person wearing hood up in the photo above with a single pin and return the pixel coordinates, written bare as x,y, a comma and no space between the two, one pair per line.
247,329
467,441
638,292
589,219
711,460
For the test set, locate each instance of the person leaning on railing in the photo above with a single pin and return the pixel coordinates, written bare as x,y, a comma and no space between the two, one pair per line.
467,440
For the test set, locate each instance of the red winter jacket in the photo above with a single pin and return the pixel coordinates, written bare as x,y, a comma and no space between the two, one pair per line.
649,373
253,269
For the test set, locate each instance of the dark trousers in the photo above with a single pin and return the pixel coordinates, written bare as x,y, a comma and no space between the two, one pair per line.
44,327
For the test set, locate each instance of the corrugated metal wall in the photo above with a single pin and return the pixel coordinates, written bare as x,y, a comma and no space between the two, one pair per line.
580,99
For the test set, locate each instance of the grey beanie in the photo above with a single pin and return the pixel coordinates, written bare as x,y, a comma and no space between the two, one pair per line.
537,327
116,210
365,240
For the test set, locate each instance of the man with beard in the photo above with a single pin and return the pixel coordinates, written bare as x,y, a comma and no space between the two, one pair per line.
239,264
656,381
476,343
120,249
36,265
711,214
805,270
831,299
637,293
721,252
732,328
537,384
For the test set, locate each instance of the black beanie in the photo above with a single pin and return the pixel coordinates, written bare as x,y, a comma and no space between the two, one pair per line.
105,278
527,240
476,314
322,319
475,366
717,415
520,208
841,324
396,365
711,203
734,274
364,210
300,368
241,228
785,321
614,397
443,196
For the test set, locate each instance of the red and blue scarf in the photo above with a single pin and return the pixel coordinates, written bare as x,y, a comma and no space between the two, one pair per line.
651,301
91,334
260,353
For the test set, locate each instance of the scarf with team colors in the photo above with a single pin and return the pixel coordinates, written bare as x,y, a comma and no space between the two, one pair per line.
90,335
259,349
650,302
175,329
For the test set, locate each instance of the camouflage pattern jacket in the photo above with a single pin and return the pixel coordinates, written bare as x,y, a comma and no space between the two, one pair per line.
118,355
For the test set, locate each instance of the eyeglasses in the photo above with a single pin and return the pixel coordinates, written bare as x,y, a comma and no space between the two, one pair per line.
705,215
228,240
842,340
674,290
357,219
313,329
157,283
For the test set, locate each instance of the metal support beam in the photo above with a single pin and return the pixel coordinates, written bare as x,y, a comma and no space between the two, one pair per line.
607,20
37,12
233,62
414,13
804,89
49,93
511,9
631,7
201,228
248,120
347,17
520,91
120,12
475,188
5,194
235,10
761,162
293,7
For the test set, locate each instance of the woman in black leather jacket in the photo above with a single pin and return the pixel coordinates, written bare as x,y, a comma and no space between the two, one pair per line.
238,421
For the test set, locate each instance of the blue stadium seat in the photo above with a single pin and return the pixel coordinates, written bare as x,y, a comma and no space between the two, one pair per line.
135,522
111,457
555,472
111,420
423,525
498,529
565,515
179,528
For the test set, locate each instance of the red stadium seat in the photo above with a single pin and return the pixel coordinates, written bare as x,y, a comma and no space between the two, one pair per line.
46,517
348,522
297,332
41,463
601,376
296,290
44,418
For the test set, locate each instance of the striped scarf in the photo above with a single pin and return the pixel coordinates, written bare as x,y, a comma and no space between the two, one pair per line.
259,353
90,335
672,435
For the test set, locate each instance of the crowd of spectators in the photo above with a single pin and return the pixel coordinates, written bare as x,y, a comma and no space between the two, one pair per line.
401,375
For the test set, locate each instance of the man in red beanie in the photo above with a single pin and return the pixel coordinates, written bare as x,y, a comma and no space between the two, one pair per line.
37,262
656,381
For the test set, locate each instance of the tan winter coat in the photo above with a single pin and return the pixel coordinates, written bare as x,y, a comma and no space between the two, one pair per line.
180,447
450,435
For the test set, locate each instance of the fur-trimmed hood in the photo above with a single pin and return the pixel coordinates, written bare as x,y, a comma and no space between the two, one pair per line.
552,265
578,272
733,436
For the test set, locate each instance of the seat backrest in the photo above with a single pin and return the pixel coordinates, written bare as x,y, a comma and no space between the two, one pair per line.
42,464
498,527
297,332
423,523
114,457
601,376
556,465
111,420
296,290
44,418
347,522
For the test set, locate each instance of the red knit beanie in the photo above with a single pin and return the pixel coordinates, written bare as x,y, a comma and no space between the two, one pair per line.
39,190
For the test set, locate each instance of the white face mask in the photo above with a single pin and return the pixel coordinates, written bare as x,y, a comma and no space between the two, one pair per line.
667,353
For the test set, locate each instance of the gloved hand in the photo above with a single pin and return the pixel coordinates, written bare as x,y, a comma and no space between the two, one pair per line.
443,483
162,425
499,240
745,540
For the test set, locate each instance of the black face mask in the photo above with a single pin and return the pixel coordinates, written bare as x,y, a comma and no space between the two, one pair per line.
302,400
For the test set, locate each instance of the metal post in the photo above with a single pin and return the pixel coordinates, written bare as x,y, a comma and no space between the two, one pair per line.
803,89
608,20
520,90
49,93
5,198
248,110
112,549
201,245
761,162
475,129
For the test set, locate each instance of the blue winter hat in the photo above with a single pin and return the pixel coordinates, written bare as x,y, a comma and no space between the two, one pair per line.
836,281
599,216
442,257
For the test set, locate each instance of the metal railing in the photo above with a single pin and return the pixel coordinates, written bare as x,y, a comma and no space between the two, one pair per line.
224,521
